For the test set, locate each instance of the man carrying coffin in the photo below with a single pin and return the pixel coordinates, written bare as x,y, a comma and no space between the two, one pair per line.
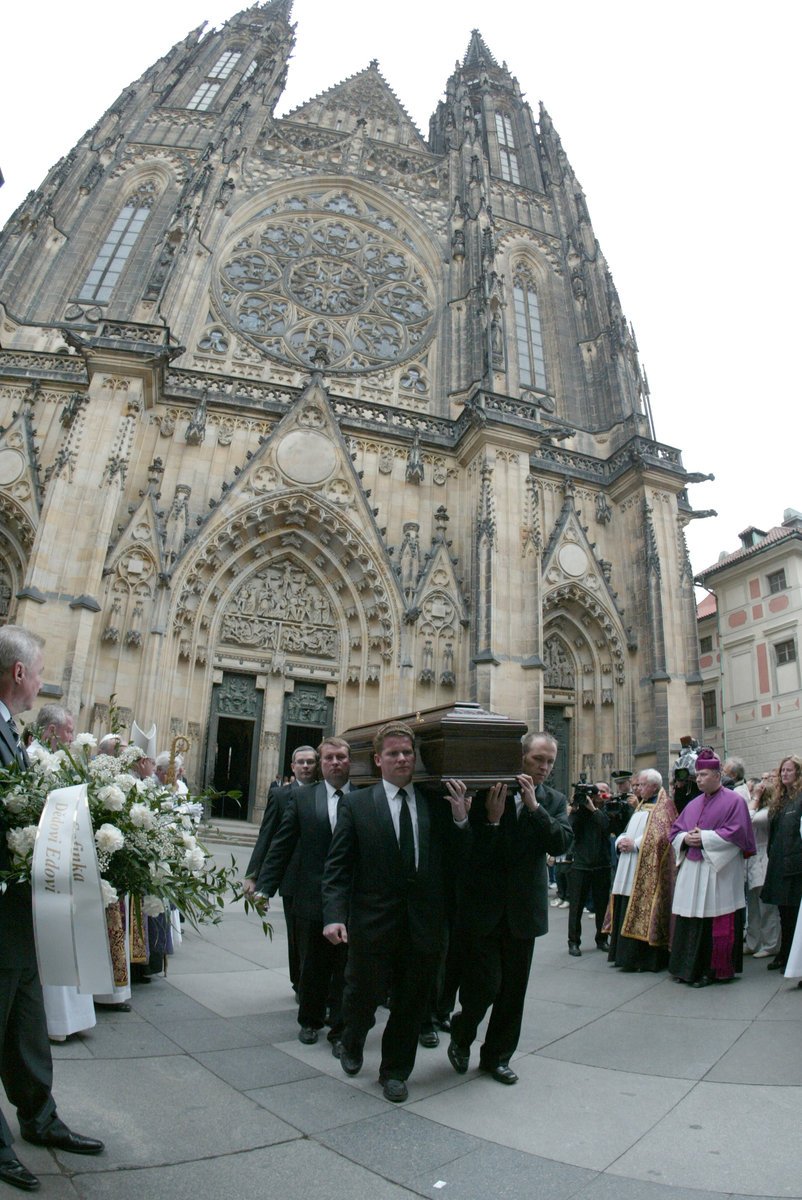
384,893
26,1067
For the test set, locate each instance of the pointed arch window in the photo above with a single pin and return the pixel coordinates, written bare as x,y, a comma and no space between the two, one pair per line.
204,96
225,64
120,241
506,148
528,334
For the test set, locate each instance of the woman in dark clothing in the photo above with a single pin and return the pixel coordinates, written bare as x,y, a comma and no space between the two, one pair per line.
783,885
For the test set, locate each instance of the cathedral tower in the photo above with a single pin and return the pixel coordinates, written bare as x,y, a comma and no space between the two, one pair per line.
308,420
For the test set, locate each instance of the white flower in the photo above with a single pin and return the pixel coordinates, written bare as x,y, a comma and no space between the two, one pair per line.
49,762
112,797
142,816
167,805
189,840
161,870
15,801
20,841
152,906
124,781
109,893
84,739
109,838
195,859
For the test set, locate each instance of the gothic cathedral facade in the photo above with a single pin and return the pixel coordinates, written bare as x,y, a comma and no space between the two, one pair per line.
311,420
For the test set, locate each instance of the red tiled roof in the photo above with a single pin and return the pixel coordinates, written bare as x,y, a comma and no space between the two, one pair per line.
778,534
706,607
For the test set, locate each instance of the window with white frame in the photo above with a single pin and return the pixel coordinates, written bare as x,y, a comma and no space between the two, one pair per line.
506,149
785,665
528,334
117,247
776,581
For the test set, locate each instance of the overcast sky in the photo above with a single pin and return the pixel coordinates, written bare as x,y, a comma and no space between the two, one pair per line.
680,120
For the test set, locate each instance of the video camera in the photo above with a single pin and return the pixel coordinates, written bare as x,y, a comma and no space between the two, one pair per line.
583,791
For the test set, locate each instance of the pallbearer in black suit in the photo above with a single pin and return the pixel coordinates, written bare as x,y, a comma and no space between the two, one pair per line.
26,1067
304,768
384,894
308,823
503,906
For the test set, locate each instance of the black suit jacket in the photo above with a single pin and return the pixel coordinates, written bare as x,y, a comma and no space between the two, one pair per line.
305,825
17,946
277,800
506,874
364,887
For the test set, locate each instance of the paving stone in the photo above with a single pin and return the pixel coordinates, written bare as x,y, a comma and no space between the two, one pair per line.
319,1103
159,1110
672,1046
289,1172
398,1144
250,1067
495,1171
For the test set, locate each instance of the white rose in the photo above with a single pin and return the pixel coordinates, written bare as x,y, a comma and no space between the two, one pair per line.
15,802
152,906
109,893
112,797
84,739
195,859
48,762
124,781
142,816
109,838
20,841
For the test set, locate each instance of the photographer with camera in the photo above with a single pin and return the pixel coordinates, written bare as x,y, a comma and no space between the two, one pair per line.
589,876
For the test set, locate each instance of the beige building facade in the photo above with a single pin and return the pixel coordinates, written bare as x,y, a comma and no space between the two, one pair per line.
312,420
749,636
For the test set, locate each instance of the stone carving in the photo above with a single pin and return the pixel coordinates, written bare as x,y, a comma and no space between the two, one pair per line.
604,514
307,706
237,696
333,276
6,591
281,609
559,668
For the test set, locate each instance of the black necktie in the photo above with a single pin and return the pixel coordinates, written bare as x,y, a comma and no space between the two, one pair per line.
406,838
338,795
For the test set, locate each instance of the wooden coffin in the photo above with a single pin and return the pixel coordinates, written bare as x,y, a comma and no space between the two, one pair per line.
461,741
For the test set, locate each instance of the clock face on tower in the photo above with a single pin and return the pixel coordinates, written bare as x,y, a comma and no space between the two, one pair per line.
326,271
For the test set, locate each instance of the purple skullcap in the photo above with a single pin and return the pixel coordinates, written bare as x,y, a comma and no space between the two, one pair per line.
707,760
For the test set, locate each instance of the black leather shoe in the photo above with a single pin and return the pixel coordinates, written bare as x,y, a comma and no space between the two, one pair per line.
775,965
63,1138
574,950
395,1090
13,1172
123,1006
458,1056
350,1063
307,1035
444,1023
503,1073
702,981
604,945
429,1040
337,1048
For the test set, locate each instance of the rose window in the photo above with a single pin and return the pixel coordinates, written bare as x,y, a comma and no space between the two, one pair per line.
327,272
